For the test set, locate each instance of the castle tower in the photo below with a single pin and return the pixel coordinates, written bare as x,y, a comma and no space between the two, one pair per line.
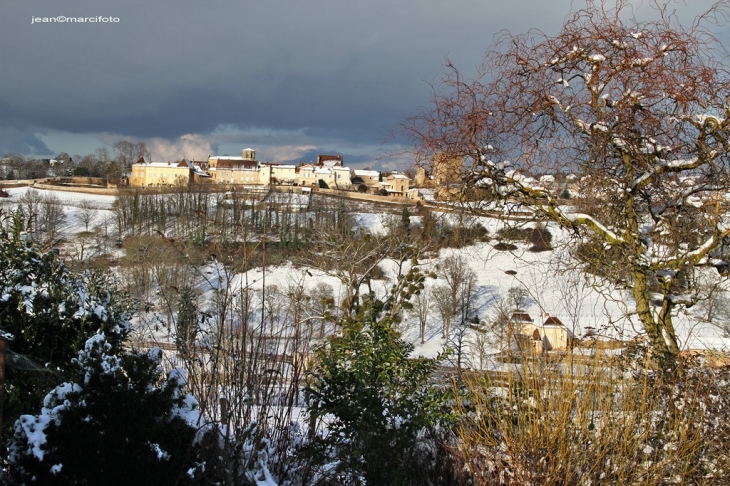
248,154
447,169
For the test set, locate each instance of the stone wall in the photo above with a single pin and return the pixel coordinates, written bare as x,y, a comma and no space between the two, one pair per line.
82,189
367,197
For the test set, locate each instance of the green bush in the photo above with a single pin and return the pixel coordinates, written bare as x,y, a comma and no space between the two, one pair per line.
377,402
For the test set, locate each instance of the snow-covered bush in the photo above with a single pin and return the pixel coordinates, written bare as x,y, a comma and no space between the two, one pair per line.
47,313
117,423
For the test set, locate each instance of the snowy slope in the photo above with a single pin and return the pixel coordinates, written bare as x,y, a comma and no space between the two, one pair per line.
580,303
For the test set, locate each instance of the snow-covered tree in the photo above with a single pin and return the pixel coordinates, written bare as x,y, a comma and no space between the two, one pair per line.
47,313
639,108
117,423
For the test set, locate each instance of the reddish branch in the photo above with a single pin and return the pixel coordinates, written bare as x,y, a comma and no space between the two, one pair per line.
638,108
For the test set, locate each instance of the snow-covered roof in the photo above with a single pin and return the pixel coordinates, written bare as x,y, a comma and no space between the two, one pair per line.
238,168
366,173
157,164
328,170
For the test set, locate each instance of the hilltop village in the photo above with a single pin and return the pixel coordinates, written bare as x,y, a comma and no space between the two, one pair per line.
440,179
328,172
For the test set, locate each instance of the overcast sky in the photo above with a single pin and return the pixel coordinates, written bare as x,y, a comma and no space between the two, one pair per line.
289,78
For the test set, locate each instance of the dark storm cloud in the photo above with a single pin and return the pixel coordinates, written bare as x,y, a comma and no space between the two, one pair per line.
329,70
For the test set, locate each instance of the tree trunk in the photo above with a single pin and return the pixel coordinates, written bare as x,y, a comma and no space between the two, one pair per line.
662,339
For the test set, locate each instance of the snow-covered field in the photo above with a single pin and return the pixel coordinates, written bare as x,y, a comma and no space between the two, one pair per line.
71,203
579,302
69,198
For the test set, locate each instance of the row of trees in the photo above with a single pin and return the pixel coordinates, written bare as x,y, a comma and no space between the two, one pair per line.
101,163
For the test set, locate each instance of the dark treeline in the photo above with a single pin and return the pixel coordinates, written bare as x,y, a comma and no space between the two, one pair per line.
100,163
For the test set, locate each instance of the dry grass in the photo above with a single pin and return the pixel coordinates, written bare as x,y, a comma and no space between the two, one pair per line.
578,424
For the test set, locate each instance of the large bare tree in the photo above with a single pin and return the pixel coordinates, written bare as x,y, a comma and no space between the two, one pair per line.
87,213
127,153
639,109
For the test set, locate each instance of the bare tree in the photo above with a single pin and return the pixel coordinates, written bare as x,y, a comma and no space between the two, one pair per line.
518,297
63,158
353,255
454,297
102,155
104,233
443,305
15,166
51,216
322,301
81,249
422,306
30,203
639,109
87,213
481,346
127,153
499,327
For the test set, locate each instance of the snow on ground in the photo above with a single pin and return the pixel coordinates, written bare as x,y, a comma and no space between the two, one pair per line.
375,223
567,294
71,202
577,300
66,197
